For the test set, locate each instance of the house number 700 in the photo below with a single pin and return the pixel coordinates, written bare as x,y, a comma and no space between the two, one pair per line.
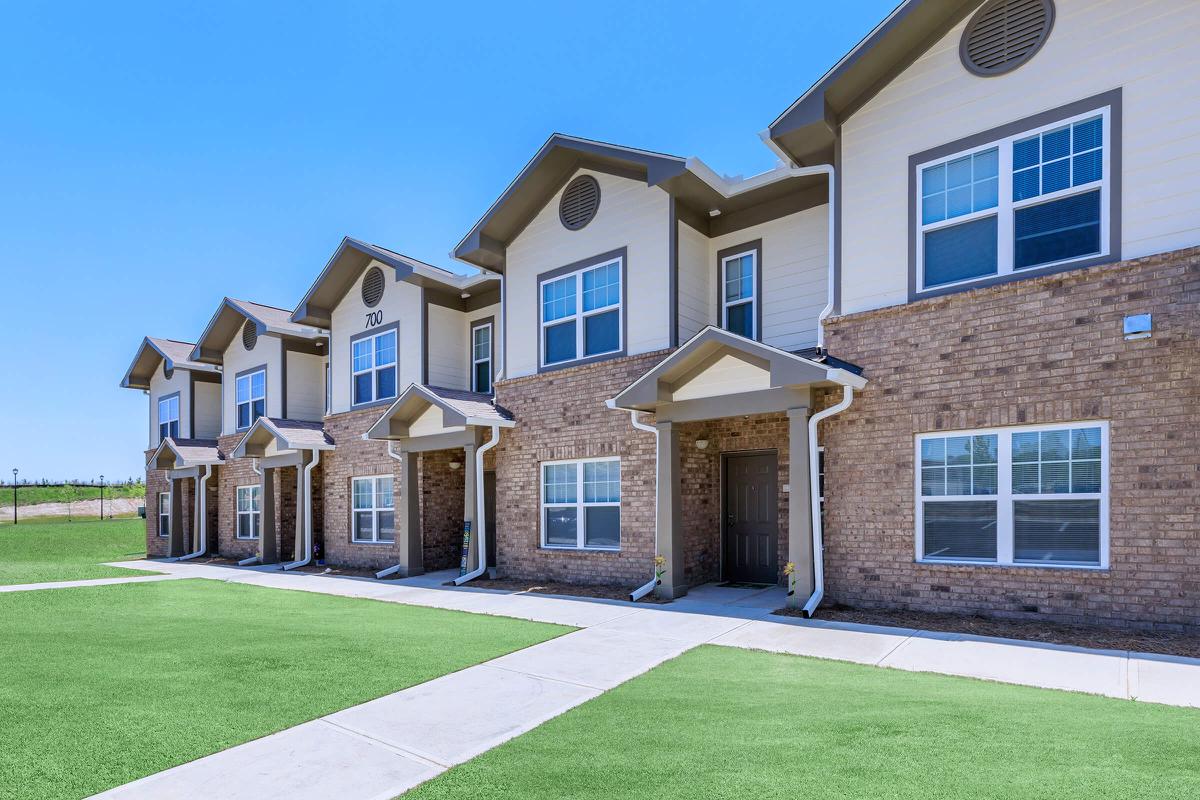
374,318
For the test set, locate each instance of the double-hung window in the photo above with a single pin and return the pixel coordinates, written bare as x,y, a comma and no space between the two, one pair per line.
739,293
374,367
481,358
1035,199
249,514
373,516
168,417
164,514
581,504
1032,495
251,390
581,313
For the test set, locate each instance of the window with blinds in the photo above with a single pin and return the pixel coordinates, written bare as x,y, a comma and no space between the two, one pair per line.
1033,495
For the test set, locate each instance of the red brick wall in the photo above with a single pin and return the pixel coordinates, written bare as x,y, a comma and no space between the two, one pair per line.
441,495
157,481
561,415
1043,350
233,473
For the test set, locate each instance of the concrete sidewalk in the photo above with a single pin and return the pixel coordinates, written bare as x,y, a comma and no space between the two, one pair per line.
381,748
31,587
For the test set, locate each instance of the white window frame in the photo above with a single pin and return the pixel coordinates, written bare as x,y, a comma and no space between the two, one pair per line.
255,516
475,362
579,505
171,401
726,304
1005,497
374,509
249,378
1005,208
374,368
161,497
580,316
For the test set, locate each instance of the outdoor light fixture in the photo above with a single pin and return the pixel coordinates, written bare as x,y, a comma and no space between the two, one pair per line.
102,497
14,496
455,465
702,444
714,212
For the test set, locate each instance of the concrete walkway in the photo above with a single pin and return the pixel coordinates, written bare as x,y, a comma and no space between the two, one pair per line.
381,748
29,587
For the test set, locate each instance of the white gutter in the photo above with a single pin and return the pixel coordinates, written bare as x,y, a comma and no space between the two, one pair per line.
503,340
392,570
814,491
307,530
245,562
648,587
201,516
480,519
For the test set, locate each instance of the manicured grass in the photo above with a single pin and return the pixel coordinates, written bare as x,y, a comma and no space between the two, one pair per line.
35,551
32,495
102,685
724,723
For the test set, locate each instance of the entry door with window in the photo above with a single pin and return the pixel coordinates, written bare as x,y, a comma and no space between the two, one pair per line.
751,524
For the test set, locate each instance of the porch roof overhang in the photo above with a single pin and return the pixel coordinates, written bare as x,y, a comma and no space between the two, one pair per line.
434,417
170,353
185,454
720,374
269,437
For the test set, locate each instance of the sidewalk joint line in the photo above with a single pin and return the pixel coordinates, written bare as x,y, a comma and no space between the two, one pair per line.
398,749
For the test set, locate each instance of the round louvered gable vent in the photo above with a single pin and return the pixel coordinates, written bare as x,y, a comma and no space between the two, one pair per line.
580,202
249,335
1004,34
372,287
168,370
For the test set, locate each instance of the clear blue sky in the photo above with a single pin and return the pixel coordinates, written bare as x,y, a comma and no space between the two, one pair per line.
155,157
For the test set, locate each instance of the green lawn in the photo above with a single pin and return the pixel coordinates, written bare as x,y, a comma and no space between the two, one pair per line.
36,551
32,495
724,723
102,685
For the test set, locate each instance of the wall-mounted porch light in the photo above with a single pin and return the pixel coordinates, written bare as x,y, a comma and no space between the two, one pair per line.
455,465
702,444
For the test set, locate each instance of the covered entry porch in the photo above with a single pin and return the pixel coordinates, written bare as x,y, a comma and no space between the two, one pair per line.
190,469
424,422
737,495
293,449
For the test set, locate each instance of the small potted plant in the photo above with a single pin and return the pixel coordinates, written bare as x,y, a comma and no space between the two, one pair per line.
789,569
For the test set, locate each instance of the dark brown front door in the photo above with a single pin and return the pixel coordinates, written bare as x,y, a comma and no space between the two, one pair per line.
751,518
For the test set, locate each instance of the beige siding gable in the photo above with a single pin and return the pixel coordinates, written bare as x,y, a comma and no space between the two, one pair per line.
161,387
727,375
305,386
268,351
207,397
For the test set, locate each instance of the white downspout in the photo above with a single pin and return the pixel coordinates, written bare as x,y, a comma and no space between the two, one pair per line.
814,490
392,570
245,562
481,532
308,537
201,515
648,587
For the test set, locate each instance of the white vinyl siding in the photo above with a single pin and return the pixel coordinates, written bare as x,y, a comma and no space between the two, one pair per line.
696,292
1034,495
581,504
305,386
267,352
249,513
1144,47
207,400
372,514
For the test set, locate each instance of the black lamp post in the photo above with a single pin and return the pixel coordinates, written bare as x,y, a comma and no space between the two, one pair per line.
14,496
101,497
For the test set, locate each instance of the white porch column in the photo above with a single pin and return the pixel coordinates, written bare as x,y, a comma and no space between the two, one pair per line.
800,545
411,556
670,526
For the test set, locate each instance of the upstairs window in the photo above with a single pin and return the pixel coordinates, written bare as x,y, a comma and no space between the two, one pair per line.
739,293
251,391
373,363
581,313
1031,200
481,358
1029,496
168,417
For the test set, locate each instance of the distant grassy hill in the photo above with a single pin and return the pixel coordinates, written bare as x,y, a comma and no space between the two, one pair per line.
32,495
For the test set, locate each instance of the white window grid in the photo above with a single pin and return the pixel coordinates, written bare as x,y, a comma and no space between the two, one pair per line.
370,361
244,388
382,501
751,299
568,302
1005,496
481,353
1006,208
249,511
164,514
568,489
168,417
